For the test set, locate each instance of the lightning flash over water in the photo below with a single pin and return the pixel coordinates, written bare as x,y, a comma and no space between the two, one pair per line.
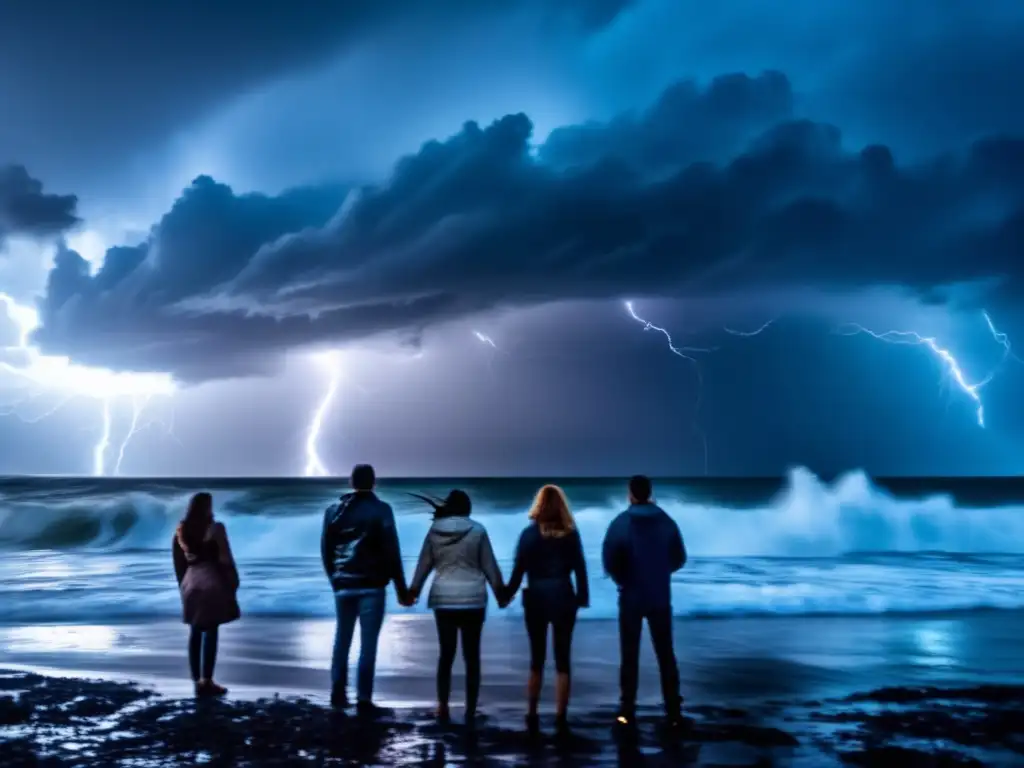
42,375
944,356
315,466
681,352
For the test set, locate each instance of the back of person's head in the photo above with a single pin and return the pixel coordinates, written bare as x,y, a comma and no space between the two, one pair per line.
197,521
551,512
363,478
456,504
640,489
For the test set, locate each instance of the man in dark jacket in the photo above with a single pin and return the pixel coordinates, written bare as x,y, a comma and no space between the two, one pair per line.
361,556
642,549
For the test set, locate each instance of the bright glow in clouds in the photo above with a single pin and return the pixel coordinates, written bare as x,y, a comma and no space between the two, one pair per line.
42,374
315,466
945,357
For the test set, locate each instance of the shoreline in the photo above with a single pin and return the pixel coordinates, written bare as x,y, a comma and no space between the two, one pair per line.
498,614
802,692
61,721
744,660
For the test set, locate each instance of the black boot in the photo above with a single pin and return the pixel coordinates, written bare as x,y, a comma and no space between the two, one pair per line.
533,724
339,698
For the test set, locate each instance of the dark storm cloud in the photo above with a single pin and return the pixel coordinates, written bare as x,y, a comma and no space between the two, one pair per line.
134,73
26,209
686,123
482,220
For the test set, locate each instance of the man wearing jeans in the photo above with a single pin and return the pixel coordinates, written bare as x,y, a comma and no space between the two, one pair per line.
361,556
642,549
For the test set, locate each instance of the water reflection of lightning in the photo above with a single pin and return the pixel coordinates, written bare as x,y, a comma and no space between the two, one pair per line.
315,466
58,376
681,352
944,356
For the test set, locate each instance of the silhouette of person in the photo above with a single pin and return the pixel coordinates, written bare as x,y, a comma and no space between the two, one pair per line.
208,582
549,553
361,556
642,549
460,552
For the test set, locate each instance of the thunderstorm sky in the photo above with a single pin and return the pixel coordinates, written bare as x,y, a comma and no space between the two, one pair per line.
543,237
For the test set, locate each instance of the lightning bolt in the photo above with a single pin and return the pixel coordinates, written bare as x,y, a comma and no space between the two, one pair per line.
314,464
484,338
100,451
680,352
756,332
140,404
944,356
50,374
1001,338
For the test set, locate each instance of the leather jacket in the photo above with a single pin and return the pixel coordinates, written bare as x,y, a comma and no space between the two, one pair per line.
359,545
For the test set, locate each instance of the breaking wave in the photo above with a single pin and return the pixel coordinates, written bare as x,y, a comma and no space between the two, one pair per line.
808,518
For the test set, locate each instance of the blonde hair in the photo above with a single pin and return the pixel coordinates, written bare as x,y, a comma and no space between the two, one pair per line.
551,512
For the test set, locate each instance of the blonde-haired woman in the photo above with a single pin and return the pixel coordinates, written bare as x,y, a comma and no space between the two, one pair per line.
548,554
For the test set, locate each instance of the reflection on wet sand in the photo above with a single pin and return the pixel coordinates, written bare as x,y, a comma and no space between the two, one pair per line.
721,660
59,638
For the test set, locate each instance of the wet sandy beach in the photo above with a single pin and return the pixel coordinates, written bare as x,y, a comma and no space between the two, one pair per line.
759,692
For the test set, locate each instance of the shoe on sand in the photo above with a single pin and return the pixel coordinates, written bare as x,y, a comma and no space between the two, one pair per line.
369,709
339,697
209,688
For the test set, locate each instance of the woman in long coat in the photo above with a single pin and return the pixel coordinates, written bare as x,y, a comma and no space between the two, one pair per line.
208,582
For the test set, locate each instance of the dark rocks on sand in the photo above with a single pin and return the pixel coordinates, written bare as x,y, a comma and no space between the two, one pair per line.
68,722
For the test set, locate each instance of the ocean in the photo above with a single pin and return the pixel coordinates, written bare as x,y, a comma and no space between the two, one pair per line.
98,549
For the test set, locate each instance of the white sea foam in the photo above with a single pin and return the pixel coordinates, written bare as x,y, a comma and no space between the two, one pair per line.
842,548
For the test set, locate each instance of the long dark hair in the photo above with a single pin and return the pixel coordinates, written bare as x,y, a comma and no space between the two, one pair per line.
456,504
196,522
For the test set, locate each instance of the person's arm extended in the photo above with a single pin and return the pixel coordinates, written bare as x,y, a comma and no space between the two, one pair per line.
224,554
424,566
394,553
678,548
180,561
325,542
489,565
518,569
611,551
580,568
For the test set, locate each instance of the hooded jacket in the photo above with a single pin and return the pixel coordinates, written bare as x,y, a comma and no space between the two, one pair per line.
642,549
460,552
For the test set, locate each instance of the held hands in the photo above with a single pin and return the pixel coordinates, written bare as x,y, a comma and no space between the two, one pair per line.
409,599
504,598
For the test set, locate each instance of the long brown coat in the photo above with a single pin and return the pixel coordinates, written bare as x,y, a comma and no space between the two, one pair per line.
207,579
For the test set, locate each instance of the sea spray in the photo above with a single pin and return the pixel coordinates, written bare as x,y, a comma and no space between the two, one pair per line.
98,551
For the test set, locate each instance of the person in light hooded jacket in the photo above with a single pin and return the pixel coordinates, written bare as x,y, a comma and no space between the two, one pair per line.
459,551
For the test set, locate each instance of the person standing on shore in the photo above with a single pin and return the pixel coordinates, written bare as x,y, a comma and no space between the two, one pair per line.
642,549
549,553
459,550
208,582
361,556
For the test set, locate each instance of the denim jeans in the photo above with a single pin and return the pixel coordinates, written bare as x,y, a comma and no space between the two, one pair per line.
368,607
